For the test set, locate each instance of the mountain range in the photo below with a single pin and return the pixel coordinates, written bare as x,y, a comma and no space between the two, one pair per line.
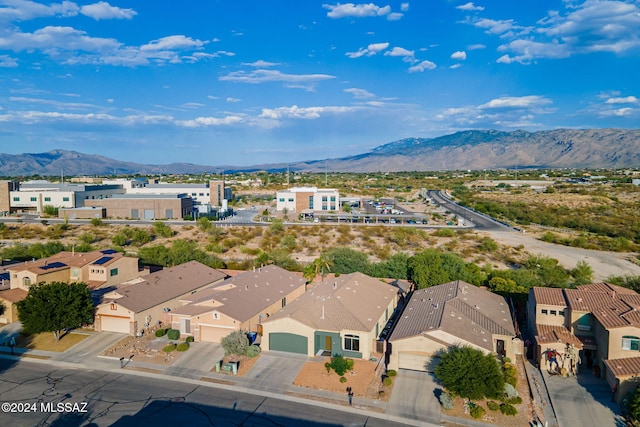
473,149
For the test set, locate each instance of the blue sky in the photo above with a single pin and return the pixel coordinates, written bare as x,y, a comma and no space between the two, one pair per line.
235,82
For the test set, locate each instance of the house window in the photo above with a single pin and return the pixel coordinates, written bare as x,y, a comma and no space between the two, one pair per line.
553,312
544,311
26,282
74,272
47,199
630,343
16,199
561,312
113,272
65,199
352,342
113,306
34,199
284,302
216,316
332,198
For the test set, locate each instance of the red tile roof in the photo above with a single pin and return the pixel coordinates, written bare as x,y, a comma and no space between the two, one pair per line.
13,295
549,296
624,367
548,334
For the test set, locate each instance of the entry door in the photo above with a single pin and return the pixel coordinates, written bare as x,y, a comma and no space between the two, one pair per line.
327,343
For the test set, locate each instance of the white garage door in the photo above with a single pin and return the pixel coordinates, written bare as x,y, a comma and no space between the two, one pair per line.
417,361
213,334
115,324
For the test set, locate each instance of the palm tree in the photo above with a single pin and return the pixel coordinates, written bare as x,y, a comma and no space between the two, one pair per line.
321,265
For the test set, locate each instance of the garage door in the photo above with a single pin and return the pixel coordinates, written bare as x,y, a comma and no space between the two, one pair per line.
292,343
115,324
213,334
417,361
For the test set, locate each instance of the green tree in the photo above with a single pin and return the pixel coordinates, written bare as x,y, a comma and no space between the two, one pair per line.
119,239
633,407
582,273
548,270
235,343
162,229
432,267
321,265
468,372
53,307
347,261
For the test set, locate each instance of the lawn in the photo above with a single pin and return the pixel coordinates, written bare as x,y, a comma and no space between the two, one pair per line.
47,342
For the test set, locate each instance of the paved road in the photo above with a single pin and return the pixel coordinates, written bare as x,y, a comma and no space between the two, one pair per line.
480,222
114,399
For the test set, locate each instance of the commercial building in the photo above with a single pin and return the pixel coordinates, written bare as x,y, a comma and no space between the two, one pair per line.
311,199
145,206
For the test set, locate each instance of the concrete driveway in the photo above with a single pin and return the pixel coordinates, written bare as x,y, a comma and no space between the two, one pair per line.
275,371
414,397
582,401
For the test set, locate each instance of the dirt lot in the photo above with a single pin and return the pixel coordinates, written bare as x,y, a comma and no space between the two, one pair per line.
362,379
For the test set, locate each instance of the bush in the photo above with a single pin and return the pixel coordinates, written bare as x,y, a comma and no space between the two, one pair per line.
387,381
341,365
509,391
514,400
391,373
235,343
173,334
343,380
327,365
508,409
494,406
161,333
169,348
477,412
446,400
253,350
183,346
189,339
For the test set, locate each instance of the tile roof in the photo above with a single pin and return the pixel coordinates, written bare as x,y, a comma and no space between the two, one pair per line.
352,301
549,296
243,296
13,295
624,367
164,285
551,334
459,308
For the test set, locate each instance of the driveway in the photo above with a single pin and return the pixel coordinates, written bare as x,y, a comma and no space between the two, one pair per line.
201,356
414,397
275,371
583,401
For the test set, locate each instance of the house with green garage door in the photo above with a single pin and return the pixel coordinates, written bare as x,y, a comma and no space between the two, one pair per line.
344,315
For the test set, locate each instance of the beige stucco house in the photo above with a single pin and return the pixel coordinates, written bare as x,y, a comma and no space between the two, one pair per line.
242,302
601,320
147,300
344,315
455,313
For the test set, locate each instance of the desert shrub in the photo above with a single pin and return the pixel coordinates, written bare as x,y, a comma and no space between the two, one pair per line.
169,348
183,346
446,400
173,334
445,232
391,373
189,339
161,333
509,391
508,409
494,406
327,366
514,400
477,412
387,381
235,343
253,350
343,379
341,365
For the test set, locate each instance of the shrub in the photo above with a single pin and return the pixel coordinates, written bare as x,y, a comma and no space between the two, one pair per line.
235,343
173,334
253,350
183,346
508,409
509,391
161,333
446,400
494,406
514,400
169,348
327,365
391,373
387,381
189,339
341,365
477,412
343,380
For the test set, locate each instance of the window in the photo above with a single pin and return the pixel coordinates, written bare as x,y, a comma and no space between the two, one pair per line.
34,199
65,199
561,312
113,272
281,199
553,312
544,311
333,198
47,199
291,199
26,282
201,194
352,342
284,302
193,194
630,343
113,306
324,207
324,198
310,202
16,199
74,272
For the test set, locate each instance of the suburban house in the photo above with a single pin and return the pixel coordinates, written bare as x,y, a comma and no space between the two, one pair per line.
454,313
344,315
147,300
97,269
600,321
241,302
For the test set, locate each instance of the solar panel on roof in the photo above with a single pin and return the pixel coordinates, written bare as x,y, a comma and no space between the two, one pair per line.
109,251
56,264
103,260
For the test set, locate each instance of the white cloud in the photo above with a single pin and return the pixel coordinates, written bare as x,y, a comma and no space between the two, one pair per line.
356,11
103,10
399,51
261,64
172,43
459,55
359,93
422,66
370,50
404,7
305,81
395,16
56,39
295,112
231,100
210,121
24,10
454,66
469,7
624,100
476,46
516,102
8,62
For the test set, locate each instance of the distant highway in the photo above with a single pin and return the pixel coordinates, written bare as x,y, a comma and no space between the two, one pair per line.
480,222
